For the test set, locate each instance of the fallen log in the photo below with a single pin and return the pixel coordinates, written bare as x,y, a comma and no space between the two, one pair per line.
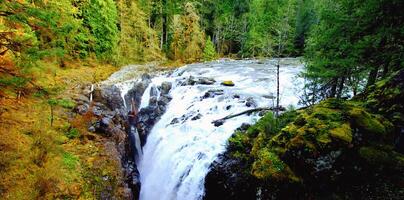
220,122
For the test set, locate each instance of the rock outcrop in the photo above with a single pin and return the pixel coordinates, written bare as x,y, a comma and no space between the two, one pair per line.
110,121
337,149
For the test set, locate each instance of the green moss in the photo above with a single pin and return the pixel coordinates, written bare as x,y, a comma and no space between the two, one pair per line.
239,141
267,165
72,133
343,133
70,161
66,103
382,156
323,139
366,121
323,113
258,144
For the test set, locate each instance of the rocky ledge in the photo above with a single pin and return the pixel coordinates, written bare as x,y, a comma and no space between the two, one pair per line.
337,149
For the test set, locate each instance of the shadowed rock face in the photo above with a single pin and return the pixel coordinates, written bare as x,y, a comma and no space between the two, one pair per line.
111,122
149,115
137,91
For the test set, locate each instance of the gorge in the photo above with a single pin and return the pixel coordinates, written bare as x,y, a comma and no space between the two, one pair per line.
180,147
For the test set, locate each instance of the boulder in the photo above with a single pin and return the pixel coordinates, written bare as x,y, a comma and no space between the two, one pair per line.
165,88
212,93
228,83
250,102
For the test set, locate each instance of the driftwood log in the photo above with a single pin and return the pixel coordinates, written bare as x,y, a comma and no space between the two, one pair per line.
220,122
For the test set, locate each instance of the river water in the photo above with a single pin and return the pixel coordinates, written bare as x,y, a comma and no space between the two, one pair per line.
184,142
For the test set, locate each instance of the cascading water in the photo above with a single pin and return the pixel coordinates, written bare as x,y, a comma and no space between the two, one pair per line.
184,142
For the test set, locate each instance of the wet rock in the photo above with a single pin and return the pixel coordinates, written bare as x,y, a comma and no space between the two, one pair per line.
206,81
228,107
153,91
212,93
110,96
198,80
218,123
164,100
228,83
227,180
175,121
137,91
91,129
236,96
198,116
244,127
250,102
165,88
81,109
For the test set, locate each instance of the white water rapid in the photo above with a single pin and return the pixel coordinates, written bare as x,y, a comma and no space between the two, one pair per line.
177,156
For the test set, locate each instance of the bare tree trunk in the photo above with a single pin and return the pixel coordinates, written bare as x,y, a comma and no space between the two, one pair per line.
277,73
51,119
340,87
372,76
277,87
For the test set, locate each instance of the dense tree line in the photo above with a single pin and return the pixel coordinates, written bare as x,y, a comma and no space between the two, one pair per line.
125,31
347,44
351,45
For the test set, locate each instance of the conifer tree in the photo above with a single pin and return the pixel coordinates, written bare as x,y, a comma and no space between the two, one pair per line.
209,52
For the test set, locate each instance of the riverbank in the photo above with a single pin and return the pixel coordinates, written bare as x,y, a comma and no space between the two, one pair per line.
58,159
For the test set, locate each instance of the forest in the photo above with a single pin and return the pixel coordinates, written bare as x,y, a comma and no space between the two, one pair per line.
348,47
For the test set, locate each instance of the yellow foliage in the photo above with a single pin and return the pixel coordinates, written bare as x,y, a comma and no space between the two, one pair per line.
38,161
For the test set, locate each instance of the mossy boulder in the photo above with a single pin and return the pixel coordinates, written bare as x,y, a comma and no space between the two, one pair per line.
343,133
366,121
382,156
315,149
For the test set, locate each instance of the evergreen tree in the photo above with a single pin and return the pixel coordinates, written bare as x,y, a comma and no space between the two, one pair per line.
209,52
352,40
138,42
101,17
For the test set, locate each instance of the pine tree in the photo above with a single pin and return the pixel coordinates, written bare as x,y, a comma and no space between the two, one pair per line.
138,42
209,52
101,17
192,34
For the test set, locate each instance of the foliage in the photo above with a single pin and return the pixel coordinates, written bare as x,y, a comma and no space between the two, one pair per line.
70,161
209,52
353,41
138,42
72,133
101,17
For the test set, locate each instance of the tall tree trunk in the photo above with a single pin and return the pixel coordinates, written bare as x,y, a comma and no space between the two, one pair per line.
277,87
372,77
341,87
333,91
385,70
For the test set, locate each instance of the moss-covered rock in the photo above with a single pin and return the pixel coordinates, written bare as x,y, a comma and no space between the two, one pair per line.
366,121
336,149
343,133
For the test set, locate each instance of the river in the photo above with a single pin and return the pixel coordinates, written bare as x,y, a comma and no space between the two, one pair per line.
184,142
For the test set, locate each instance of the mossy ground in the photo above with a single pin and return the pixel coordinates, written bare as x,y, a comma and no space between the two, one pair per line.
62,161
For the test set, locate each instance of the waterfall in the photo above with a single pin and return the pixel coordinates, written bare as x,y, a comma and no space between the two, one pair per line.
184,142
